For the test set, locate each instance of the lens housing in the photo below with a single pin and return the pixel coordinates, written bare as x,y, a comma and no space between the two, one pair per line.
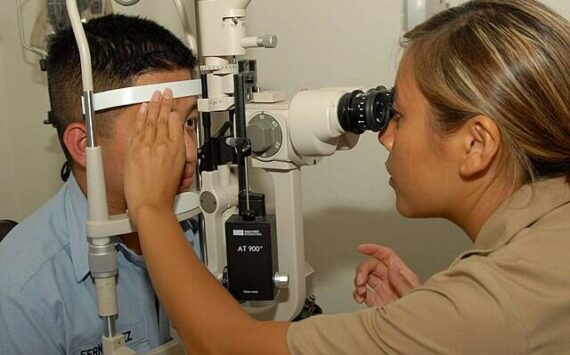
360,111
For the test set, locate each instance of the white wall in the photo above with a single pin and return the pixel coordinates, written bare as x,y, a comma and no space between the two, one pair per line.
321,43
28,150
347,199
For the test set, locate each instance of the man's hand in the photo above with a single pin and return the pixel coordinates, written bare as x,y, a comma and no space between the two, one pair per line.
383,278
155,157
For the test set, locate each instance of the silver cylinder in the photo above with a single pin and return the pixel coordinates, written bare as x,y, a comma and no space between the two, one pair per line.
89,110
109,327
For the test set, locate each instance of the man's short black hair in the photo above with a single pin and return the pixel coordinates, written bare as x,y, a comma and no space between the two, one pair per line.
122,49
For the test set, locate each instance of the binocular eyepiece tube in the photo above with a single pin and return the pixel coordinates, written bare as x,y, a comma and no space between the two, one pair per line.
323,121
360,111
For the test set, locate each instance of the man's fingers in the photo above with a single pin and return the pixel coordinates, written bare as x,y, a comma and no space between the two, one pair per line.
163,115
151,118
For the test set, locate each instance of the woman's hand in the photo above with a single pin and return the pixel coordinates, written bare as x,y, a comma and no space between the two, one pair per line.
155,157
383,278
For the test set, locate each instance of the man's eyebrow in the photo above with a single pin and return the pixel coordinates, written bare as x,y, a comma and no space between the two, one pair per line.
192,108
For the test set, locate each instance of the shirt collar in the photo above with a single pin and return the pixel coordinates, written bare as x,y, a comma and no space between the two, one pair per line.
76,212
523,208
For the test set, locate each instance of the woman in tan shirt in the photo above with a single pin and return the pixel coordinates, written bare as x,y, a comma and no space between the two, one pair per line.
481,137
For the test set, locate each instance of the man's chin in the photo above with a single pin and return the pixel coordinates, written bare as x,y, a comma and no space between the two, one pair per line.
184,186
183,189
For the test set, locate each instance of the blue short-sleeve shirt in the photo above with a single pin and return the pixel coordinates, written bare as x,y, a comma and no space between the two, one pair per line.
47,297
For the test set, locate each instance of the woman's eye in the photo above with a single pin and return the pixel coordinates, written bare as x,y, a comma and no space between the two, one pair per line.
396,115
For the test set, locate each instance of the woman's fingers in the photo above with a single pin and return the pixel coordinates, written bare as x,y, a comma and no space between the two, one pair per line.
358,298
394,263
140,121
380,295
367,267
410,276
377,290
152,118
384,295
400,284
162,130
383,278
378,251
175,128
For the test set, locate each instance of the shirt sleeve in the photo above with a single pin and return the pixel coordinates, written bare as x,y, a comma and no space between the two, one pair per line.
25,329
460,311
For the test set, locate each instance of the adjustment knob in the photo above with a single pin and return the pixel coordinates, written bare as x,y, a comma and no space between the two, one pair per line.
265,134
262,136
281,280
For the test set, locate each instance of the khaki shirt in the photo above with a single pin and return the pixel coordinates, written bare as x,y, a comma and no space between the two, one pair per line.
509,295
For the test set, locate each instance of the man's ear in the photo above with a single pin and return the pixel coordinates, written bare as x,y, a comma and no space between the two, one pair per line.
75,140
481,141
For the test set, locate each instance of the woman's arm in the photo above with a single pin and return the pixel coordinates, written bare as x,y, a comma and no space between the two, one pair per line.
205,315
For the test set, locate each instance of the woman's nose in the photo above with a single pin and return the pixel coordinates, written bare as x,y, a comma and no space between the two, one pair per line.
386,137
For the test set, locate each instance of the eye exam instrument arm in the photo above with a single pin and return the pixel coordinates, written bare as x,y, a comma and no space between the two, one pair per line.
210,321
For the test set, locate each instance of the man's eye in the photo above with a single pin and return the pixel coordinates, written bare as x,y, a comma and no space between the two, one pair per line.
191,122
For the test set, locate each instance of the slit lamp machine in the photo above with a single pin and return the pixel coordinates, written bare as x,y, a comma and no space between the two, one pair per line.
249,190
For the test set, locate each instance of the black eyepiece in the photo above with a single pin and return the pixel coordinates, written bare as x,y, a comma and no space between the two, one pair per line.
360,111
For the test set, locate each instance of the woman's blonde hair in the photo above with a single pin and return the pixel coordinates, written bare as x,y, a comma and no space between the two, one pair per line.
505,59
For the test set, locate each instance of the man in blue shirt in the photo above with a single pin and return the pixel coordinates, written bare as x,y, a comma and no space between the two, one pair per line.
47,297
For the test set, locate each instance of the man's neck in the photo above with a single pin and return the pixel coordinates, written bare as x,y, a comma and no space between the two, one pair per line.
131,240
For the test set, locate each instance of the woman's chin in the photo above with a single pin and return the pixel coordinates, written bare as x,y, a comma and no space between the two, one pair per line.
404,209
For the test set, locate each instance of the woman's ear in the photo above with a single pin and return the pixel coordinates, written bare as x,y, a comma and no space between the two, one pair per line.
75,140
481,140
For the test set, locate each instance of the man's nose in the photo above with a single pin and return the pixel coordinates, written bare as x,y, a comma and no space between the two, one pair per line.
190,143
386,137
